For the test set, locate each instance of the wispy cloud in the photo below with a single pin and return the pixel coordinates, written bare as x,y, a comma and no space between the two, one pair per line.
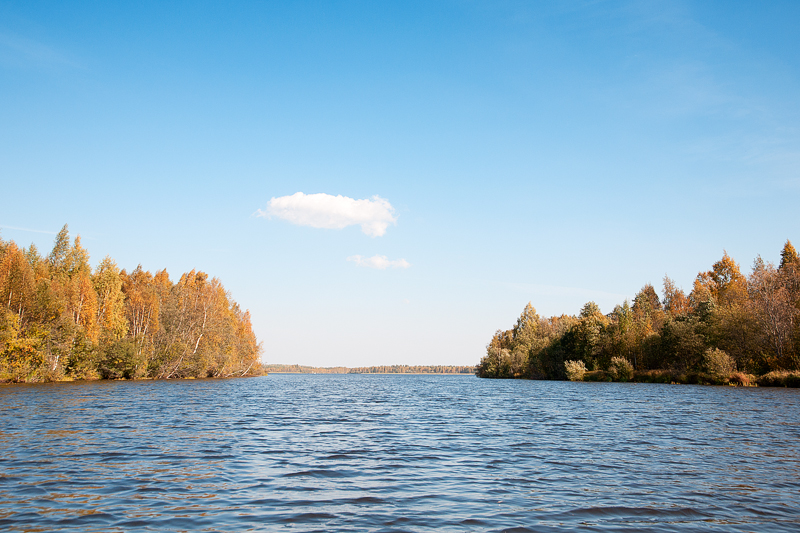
379,262
27,229
21,51
332,212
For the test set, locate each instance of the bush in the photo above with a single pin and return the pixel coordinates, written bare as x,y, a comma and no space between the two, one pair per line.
597,375
82,362
575,370
718,364
779,378
620,369
742,379
654,376
119,361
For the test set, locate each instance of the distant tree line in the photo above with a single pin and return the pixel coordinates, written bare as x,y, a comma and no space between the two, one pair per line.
386,369
303,369
59,319
413,369
728,325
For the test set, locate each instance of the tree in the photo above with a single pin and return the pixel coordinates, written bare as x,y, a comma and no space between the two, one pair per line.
648,318
773,309
16,281
646,300
490,365
526,344
682,343
586,335
144,297
621,332
58,255
675,301
790,273
730,285
20,355
110,300
59,317
79,290
789,256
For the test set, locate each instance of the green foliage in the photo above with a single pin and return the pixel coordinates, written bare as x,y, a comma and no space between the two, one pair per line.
682,344
120,360
728,321
82,359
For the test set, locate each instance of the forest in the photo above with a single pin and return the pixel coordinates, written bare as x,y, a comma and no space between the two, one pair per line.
731,328
386,369
62,320
413,369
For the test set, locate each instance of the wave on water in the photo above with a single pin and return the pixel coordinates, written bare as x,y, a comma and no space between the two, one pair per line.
397,453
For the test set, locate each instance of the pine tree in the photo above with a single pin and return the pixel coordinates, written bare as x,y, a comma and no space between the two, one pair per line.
789,256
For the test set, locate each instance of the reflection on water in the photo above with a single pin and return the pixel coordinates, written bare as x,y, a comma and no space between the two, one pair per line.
397,453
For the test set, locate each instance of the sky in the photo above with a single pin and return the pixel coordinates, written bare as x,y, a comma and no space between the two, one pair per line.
391,182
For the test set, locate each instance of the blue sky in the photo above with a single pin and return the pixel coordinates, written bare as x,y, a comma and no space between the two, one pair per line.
553,153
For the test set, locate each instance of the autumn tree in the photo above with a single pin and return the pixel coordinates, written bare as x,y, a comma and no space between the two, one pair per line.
495,364
526,343
583,341
789,256
773,308
17,282
110,300
59,318
675,300
143,299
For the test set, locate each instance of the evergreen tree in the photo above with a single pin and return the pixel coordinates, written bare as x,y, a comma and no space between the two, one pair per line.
788,256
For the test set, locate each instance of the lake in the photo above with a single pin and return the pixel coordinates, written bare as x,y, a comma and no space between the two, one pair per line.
397,453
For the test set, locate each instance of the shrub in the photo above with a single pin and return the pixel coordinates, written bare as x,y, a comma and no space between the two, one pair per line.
575,370
620,369
597,375
119,361
718,364
778,378
742,379
654,376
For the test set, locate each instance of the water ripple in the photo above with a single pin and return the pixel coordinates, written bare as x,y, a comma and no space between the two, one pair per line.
397,453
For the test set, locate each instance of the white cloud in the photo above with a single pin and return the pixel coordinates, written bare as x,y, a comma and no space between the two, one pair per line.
380,262
332,212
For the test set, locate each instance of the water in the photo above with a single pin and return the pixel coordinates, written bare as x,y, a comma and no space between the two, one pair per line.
397,453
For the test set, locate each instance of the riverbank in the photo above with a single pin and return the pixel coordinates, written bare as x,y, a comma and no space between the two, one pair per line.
69,379
735,379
